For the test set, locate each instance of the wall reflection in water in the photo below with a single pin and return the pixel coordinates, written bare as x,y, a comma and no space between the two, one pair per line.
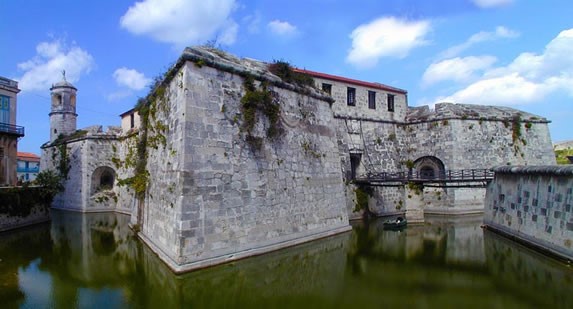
94,260
543,282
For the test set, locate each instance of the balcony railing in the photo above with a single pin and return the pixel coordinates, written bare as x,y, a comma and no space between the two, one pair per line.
28,169
11,129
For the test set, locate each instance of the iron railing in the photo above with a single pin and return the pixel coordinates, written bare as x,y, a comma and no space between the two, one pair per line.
11,129
425,176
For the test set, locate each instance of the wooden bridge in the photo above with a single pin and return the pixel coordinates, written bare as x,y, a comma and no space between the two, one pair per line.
448,178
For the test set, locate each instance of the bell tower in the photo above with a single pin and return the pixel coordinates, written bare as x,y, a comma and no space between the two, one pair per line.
63,112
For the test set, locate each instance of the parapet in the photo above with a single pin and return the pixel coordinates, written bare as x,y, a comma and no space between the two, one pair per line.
225,62
557,170
469,111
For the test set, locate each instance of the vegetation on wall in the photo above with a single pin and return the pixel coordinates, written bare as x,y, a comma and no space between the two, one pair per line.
64,165
363,193
152,133
561,155
64,138
285,71
417,188
260,101
516,134
409,164
310,149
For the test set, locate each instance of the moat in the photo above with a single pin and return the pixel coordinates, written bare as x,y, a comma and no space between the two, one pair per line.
94,260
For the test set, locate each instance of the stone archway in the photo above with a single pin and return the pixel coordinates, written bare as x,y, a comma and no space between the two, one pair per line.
429,167
103,178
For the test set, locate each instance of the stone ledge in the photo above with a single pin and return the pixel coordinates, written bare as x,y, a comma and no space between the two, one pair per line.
449,211
556,170
176,268
24,223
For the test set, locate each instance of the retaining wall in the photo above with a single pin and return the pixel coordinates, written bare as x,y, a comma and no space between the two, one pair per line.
533,204
21,207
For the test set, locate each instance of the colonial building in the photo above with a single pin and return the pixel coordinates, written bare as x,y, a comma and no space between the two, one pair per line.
28,166
9,131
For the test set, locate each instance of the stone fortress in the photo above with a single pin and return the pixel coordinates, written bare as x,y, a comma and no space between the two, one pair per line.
224,159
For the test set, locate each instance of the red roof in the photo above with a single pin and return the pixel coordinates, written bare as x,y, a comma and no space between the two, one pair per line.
28,156
352,81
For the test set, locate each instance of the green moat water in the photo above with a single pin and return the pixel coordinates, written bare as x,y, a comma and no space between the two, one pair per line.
94,261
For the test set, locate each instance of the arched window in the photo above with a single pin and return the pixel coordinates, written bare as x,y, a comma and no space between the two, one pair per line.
106,180
103,178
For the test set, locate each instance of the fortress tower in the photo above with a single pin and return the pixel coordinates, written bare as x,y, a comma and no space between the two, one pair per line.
63,112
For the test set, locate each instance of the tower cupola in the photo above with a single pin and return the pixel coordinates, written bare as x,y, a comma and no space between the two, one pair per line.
63,117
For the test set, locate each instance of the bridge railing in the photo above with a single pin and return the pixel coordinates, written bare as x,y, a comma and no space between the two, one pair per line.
425,176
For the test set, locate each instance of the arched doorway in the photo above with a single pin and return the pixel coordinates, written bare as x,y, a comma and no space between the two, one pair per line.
429,167
103,178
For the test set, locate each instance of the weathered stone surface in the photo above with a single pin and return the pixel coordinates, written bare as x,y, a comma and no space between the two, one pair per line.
213,197
37,214
534,204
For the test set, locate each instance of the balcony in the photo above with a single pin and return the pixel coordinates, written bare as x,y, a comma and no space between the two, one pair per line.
35,169
7,128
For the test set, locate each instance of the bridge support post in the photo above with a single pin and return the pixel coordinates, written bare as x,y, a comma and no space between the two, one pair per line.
414,197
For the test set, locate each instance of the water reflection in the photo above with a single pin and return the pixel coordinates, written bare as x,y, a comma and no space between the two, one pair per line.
543,282
95,261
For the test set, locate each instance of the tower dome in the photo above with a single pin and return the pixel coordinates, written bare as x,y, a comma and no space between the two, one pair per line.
63,117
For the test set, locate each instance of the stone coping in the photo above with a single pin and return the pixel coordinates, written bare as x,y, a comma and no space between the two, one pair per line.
556,170
223,61
462,111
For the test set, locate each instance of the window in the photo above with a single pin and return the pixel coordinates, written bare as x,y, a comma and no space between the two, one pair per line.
351,96
327,88
4,109
131,120
371,100
390,102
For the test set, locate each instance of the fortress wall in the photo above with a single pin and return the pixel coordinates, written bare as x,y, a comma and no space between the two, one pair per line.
125,195
72,198
379,145
229,199
481,142
160,213
485,144
534,205
80,193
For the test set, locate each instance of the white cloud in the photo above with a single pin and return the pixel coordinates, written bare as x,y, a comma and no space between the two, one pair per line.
528,79
456,69
118,95
282,28
182,22
253,22
482,36
487,4
130,78
385,37
509,89
51,58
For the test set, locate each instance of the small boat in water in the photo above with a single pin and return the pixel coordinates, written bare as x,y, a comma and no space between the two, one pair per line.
395,224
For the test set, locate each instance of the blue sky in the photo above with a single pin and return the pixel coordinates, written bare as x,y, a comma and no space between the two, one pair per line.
515,53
